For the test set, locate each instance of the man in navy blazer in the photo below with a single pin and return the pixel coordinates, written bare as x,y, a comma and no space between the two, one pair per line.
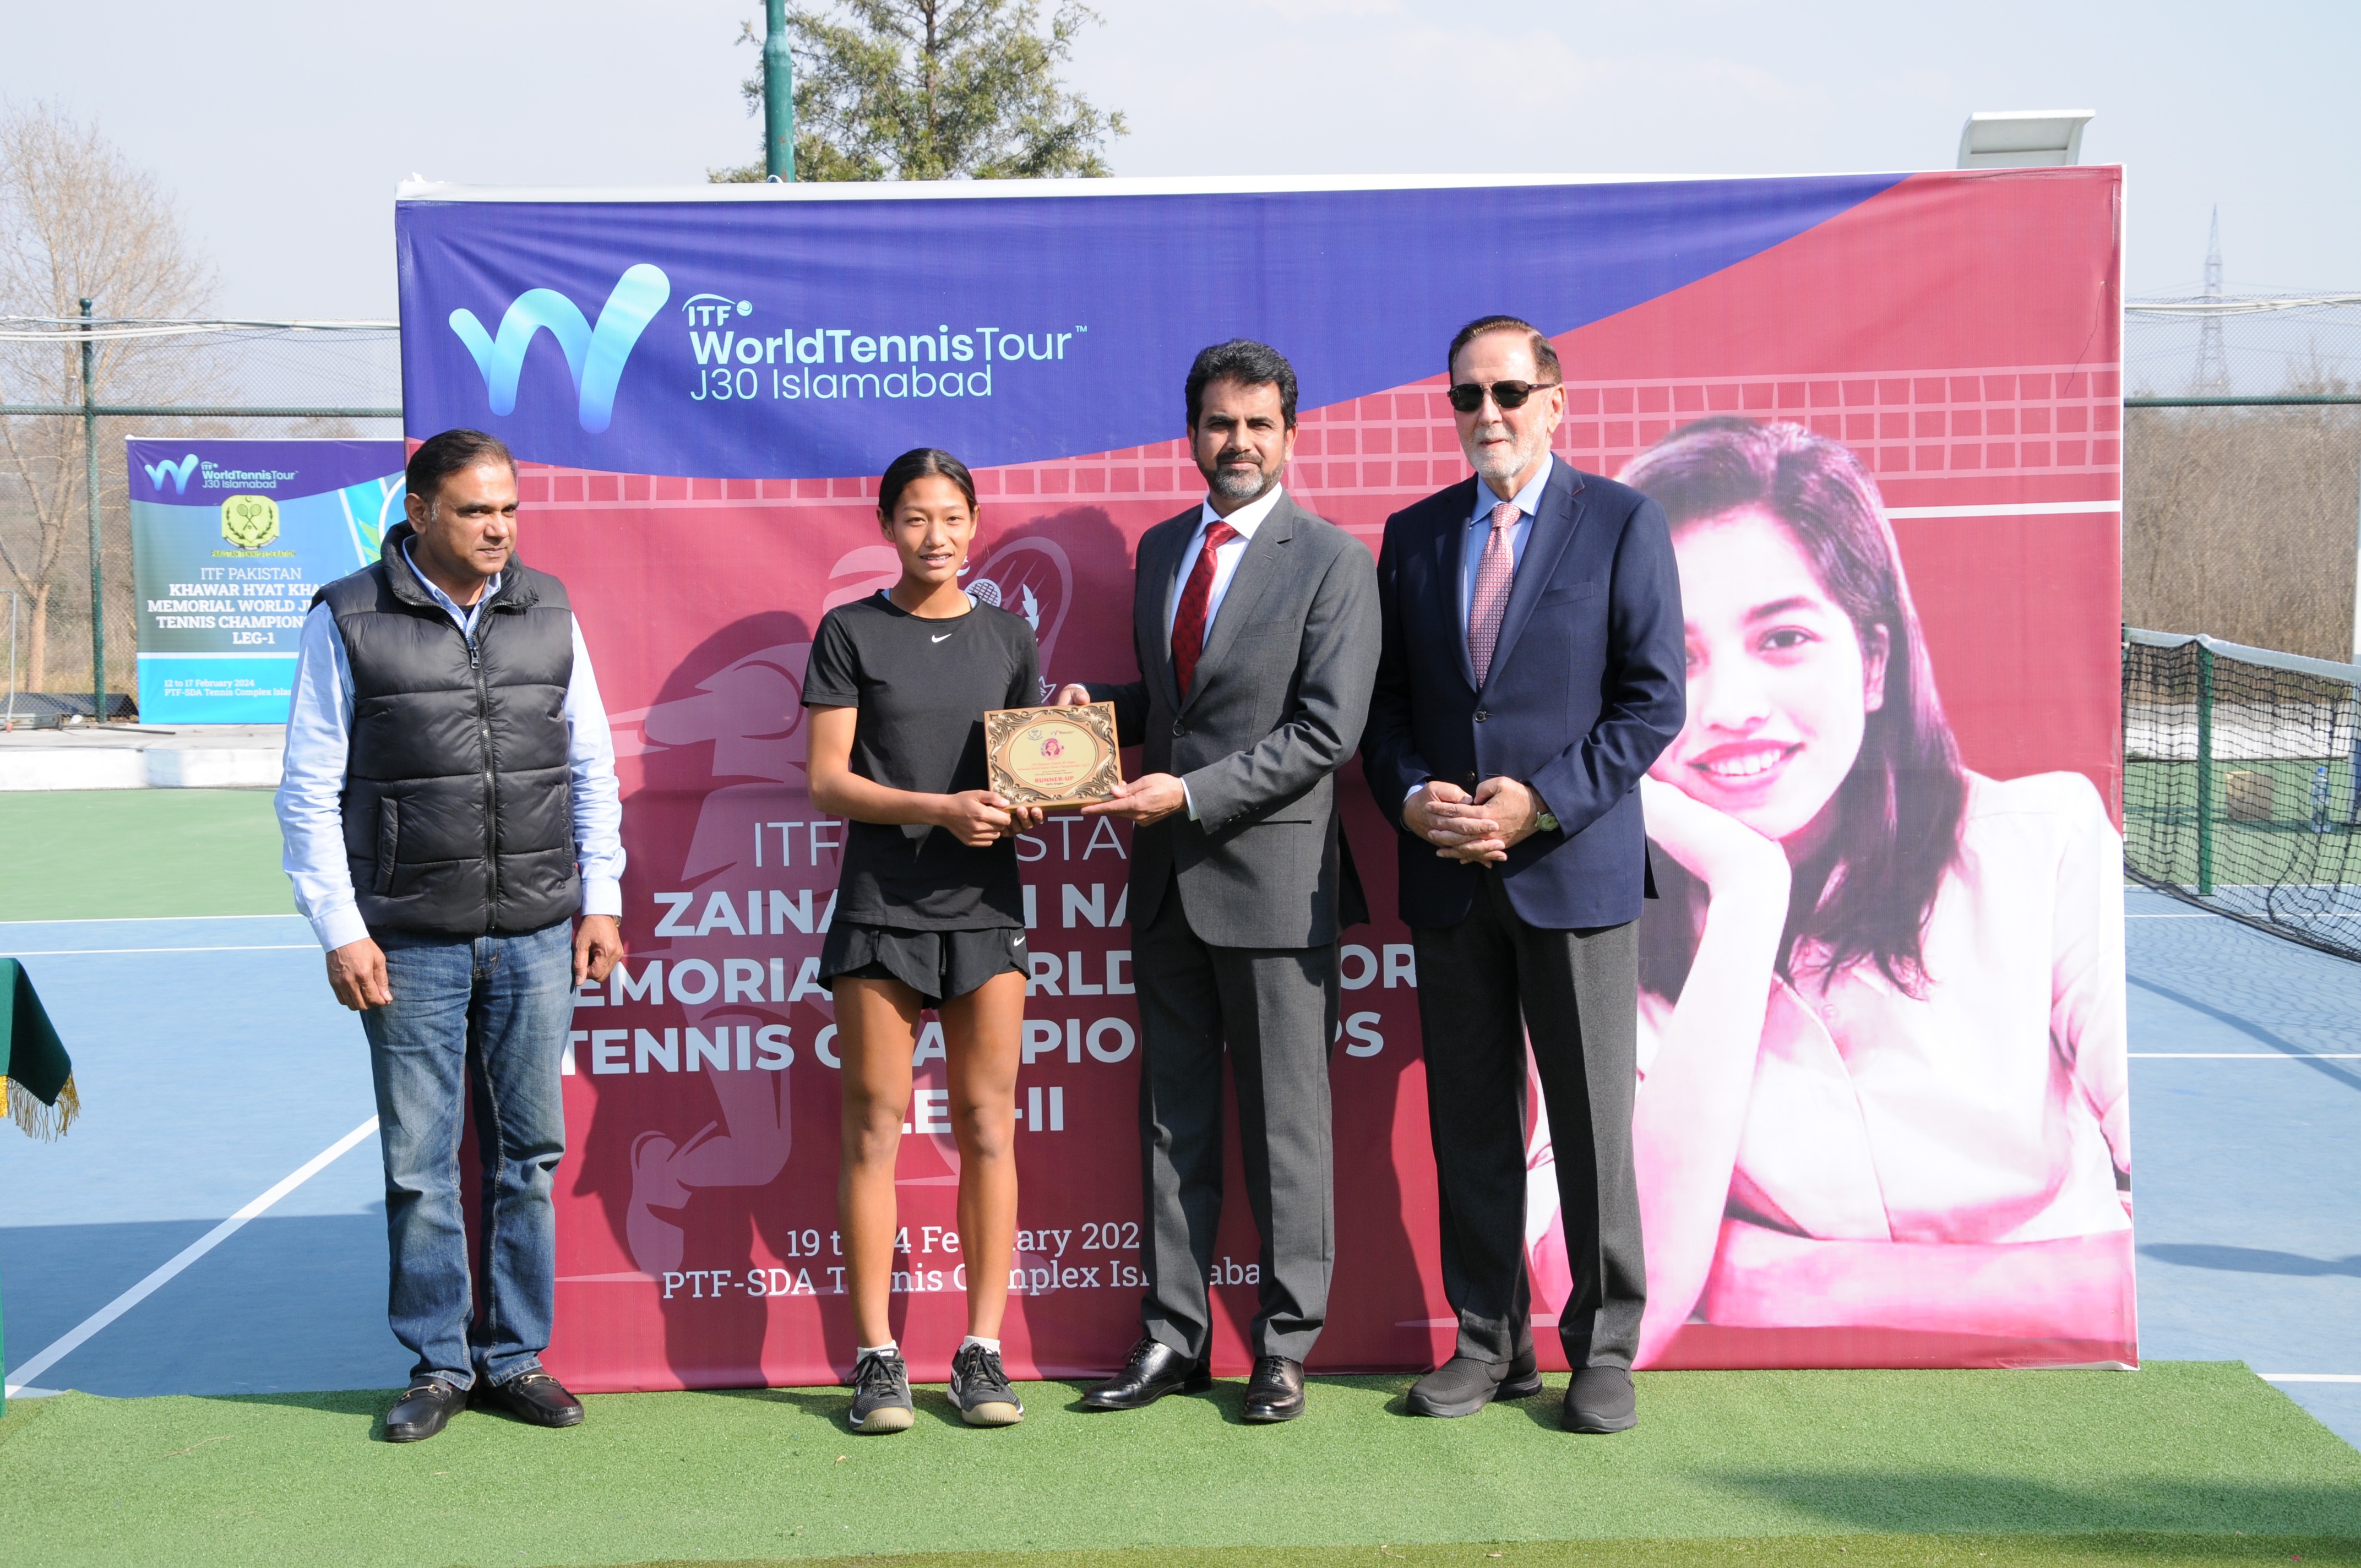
1532,669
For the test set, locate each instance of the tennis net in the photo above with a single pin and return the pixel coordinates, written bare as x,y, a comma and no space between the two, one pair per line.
2242,784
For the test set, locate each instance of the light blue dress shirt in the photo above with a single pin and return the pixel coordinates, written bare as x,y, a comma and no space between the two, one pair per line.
319,744
1479,532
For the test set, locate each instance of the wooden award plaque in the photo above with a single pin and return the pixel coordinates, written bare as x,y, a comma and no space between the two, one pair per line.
1053,757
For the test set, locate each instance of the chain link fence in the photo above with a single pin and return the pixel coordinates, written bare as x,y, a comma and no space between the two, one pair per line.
2242,509
72,390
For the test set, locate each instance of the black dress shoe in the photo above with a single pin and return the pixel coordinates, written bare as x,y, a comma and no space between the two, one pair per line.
1275,1393
424,1410
1600,1399
535,1396
1153,1370
1463,1385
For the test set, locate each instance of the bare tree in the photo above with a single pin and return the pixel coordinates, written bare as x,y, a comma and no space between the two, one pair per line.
76,221
2241,521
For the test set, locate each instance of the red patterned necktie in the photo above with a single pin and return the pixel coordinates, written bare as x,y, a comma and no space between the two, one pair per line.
1189,618
1494,573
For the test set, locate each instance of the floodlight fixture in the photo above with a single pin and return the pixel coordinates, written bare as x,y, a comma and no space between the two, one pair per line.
2023,138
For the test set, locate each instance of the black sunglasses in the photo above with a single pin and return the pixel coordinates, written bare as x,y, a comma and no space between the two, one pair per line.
1469,396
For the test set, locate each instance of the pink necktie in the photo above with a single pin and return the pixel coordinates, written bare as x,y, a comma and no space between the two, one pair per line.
1494,573
1188,616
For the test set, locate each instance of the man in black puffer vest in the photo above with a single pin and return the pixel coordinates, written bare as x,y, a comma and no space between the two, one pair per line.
449,805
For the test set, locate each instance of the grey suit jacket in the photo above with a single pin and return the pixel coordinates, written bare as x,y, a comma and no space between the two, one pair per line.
1281,692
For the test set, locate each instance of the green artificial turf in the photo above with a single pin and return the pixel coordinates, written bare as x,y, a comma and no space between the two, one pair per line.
2109,1550
93,854
1792,1458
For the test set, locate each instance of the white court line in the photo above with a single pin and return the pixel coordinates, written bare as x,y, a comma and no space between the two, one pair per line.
188,1255
2216,915
2309,1377
144,919
2007,508
245,947
2244,1056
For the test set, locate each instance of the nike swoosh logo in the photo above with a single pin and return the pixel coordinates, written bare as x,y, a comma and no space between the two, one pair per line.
937,639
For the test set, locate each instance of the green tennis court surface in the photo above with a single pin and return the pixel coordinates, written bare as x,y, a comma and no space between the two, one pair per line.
2179,1448
104,853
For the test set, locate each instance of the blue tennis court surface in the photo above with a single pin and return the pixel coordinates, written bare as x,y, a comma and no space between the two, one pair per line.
214,1065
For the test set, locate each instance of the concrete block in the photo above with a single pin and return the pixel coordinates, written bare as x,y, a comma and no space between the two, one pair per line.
253,767
2252,795
77,767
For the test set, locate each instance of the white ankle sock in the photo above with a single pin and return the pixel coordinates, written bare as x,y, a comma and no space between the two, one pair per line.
888,1348
991,1344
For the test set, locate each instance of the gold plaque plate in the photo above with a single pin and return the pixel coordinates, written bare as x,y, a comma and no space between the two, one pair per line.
1053,757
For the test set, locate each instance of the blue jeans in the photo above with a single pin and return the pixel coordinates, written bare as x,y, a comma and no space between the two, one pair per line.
496,1007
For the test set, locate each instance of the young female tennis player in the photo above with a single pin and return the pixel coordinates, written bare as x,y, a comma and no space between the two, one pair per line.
929,914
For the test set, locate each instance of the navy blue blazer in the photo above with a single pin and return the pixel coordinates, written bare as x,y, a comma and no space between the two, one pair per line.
1586,689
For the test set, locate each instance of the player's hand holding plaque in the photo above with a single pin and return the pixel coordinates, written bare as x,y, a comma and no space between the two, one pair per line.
1053,757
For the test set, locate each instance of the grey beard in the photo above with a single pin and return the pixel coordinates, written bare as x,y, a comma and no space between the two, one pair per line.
1508,467
1236,487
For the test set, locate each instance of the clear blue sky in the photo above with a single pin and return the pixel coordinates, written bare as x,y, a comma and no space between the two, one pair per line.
281,127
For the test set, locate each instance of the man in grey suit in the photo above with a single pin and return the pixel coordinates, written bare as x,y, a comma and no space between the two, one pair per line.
1255,627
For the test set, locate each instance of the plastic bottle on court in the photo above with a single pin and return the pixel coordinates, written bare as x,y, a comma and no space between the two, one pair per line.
2320,798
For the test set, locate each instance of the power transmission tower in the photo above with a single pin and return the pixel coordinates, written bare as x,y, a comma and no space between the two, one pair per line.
2212,363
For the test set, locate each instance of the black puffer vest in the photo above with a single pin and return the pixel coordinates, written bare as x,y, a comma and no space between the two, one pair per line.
458,816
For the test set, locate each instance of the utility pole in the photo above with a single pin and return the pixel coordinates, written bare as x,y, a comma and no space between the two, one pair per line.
98,564
2212,364
778,95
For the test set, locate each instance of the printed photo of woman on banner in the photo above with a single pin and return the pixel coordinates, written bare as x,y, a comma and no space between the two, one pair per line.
1881,1008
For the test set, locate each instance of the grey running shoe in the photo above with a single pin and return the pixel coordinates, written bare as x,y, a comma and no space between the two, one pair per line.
880,1395
981,1391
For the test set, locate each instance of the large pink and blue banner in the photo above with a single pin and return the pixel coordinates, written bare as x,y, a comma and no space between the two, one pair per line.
1892,1132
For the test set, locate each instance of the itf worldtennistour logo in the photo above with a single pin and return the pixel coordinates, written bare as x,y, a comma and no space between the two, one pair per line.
177,472
743,356
594,355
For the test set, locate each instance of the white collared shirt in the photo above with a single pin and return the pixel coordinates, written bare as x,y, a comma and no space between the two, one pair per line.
1246,520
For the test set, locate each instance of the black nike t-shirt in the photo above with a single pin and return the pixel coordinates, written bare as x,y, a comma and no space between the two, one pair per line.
922,689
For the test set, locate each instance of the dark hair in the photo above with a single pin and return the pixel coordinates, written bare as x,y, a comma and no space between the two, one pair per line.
453,451
1250,364
915,464
1870,892
1544,352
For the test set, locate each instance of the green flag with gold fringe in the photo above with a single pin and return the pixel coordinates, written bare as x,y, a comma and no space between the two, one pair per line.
36,1074
37,1086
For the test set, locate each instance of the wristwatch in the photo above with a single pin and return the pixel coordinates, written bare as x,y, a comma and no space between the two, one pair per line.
1547,822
